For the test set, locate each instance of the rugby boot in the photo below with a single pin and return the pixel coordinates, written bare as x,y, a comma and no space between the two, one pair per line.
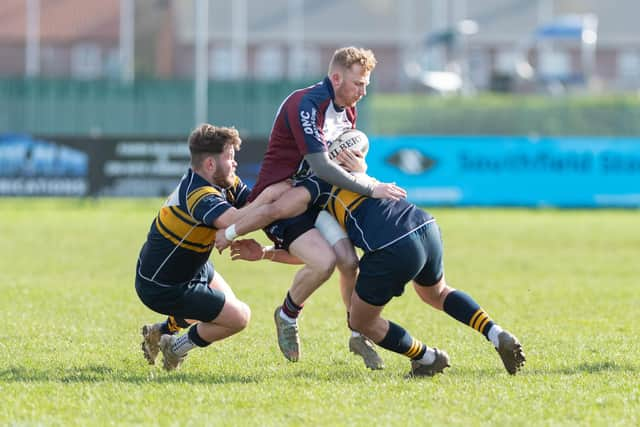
438,366
363,347
171,360
288,339
510,352
150,339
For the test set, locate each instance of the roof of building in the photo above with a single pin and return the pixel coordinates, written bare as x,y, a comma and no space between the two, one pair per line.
62,20
394,22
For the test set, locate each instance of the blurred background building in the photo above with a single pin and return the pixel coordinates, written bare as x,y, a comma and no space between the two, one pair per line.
489,44
97,96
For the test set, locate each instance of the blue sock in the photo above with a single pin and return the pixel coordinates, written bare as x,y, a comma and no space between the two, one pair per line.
400,341
463,308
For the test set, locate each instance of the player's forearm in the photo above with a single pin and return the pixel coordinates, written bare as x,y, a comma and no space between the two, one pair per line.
330,172
280,255
271,193
255,218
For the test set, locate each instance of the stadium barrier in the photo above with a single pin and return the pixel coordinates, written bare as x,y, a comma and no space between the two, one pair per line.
456,171
122,167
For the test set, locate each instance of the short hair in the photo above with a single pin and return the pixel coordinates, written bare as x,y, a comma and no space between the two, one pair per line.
208,139
346,57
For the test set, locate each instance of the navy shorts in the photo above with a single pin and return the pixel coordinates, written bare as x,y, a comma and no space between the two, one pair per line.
285,231
384,273
193,300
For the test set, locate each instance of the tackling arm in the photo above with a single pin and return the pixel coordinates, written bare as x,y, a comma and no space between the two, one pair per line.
251,250
291,203
269,195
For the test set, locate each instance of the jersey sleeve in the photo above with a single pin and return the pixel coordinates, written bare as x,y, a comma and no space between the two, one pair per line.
306,121
238,194
206,204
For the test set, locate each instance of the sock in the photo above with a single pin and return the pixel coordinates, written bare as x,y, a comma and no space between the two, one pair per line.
463,308
188,341
400,341
429,357
493,335
290,308
195,337
170,326
182,345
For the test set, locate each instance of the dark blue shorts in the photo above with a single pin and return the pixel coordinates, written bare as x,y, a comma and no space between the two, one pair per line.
384,273
194,300
285,231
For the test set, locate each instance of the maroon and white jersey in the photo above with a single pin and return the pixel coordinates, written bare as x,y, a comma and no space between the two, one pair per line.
304,123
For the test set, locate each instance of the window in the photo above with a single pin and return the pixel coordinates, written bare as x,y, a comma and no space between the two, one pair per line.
554,64
53,61
220,63
269,63
506,62
86,61
628,64
304,62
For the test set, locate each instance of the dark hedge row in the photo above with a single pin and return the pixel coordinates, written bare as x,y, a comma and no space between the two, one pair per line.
503,115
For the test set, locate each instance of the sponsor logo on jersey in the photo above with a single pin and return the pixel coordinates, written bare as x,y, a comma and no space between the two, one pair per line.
308,121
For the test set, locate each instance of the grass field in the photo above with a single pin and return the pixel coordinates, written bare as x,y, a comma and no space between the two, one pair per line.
565,282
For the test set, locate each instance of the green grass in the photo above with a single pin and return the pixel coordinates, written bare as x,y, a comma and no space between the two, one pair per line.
564,281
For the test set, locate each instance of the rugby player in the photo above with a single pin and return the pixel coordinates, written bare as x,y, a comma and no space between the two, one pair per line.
174,275
401,243
305,121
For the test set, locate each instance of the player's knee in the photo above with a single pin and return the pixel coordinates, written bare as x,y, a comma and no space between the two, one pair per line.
245,316
324,266
347,265
241,316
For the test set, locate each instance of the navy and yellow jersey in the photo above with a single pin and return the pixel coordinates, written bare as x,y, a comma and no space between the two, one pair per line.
182,236
371,224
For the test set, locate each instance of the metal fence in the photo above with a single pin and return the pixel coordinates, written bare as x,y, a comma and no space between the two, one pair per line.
166,107
146,107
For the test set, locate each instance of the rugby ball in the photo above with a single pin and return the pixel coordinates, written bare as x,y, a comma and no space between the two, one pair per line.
350,139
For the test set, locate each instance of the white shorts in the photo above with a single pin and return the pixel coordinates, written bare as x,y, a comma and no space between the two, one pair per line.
329,228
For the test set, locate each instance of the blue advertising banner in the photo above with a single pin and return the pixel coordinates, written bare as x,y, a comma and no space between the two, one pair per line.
510,171
110,166
38,167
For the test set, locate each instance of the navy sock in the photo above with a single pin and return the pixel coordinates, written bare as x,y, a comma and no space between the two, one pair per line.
463,308
400,341
180,322
196,338
170,326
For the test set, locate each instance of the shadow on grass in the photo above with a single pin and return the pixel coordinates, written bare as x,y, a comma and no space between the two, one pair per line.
155,375
591,368
97,373
579,369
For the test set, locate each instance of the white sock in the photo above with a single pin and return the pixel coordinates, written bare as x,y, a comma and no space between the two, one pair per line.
182,345
428,358
355,334
286,318
493,335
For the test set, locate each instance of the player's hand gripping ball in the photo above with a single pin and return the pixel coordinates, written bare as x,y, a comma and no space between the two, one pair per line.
350,139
